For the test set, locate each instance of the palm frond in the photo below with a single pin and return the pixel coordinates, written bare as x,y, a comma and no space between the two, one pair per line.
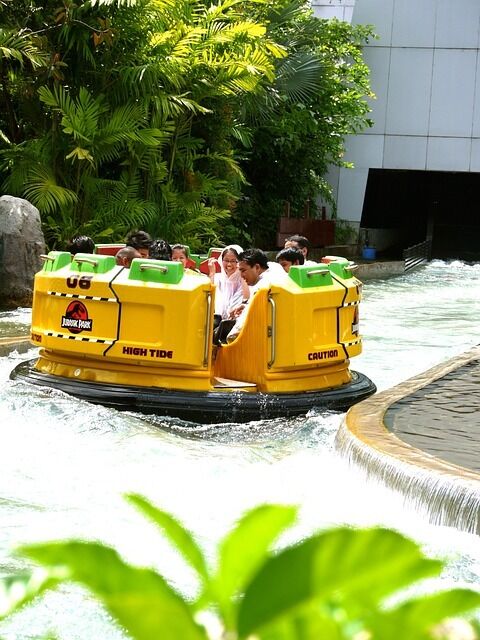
225,159
224,33
20,46
43,191
280,14
299,76
242,133
119,3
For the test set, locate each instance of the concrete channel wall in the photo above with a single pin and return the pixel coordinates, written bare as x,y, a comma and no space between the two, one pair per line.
448,494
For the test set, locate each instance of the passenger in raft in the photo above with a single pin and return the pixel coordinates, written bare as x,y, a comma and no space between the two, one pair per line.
254,269
288,257
302,244
81,244
125,256
141,241
231,287
179,254
160,250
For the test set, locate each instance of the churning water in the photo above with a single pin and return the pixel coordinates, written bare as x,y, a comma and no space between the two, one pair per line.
65,464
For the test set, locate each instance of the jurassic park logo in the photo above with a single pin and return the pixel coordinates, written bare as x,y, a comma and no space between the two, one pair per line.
76,318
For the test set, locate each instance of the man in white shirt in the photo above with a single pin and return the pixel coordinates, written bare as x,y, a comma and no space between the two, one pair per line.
254,268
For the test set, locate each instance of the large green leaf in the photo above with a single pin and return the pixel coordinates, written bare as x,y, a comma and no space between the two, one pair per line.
363,566
140,599
176,533
418,615
246,548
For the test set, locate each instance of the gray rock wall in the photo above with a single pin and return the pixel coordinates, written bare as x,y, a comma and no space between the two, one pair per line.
21,244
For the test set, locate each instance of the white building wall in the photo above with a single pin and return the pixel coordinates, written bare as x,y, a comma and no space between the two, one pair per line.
341,9
425,72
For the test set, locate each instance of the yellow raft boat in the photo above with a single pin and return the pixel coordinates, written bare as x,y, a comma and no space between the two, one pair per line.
142,339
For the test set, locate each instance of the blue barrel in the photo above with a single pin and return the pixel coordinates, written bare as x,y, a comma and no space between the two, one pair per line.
369,253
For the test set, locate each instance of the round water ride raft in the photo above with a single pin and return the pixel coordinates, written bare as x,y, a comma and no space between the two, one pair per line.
143,339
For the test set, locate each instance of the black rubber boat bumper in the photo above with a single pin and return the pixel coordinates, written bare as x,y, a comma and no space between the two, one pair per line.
202,407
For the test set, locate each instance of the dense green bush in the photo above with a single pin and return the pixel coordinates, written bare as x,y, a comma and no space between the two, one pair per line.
192,119
339,584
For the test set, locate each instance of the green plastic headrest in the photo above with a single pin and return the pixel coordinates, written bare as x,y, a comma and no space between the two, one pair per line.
92,263
160,271
339,268
56,260
310,276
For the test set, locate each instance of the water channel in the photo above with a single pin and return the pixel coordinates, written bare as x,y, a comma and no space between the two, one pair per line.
65,464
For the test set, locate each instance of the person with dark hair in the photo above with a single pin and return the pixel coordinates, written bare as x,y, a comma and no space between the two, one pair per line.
125,256
160,250
81,244
252,264
180,254
254,268
141,241
288,257
301,243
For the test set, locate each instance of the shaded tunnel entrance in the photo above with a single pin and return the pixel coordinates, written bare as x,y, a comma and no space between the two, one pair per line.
444,205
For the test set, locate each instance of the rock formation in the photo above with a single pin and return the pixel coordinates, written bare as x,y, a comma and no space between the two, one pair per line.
21,244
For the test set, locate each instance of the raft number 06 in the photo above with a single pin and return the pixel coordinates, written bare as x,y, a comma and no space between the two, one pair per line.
84,282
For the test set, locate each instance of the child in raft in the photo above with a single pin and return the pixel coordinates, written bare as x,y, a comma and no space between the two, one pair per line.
180,254
288,257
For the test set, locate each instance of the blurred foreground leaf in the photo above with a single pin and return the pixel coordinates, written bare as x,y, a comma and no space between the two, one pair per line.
140,599
245,549
359,567
334,585
17,591
181,538
417,616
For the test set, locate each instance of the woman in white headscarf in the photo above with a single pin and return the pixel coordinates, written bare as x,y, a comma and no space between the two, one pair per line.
231,287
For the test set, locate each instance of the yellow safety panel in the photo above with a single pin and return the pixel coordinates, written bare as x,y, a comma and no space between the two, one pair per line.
349,318
75,312
296,339
165,324
306,325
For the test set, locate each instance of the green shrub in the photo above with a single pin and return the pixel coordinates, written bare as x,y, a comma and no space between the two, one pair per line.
333,585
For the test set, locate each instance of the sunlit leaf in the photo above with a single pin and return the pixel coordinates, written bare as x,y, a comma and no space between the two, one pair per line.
362,565
140,599
176,533
246,547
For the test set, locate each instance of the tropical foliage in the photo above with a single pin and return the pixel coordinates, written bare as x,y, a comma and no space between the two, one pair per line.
338,584
163,114
319,100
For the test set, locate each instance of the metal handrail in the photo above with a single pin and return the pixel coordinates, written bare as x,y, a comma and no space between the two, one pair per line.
351,267
45,257
206,346
273,332
156,267
314,272
417,254
94,263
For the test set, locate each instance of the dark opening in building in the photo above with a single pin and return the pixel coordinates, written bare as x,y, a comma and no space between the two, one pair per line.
442,204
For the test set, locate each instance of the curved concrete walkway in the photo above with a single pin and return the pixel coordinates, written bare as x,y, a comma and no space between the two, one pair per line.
448,493
20,343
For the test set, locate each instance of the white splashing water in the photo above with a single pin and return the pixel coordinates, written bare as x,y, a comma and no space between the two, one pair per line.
65,464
